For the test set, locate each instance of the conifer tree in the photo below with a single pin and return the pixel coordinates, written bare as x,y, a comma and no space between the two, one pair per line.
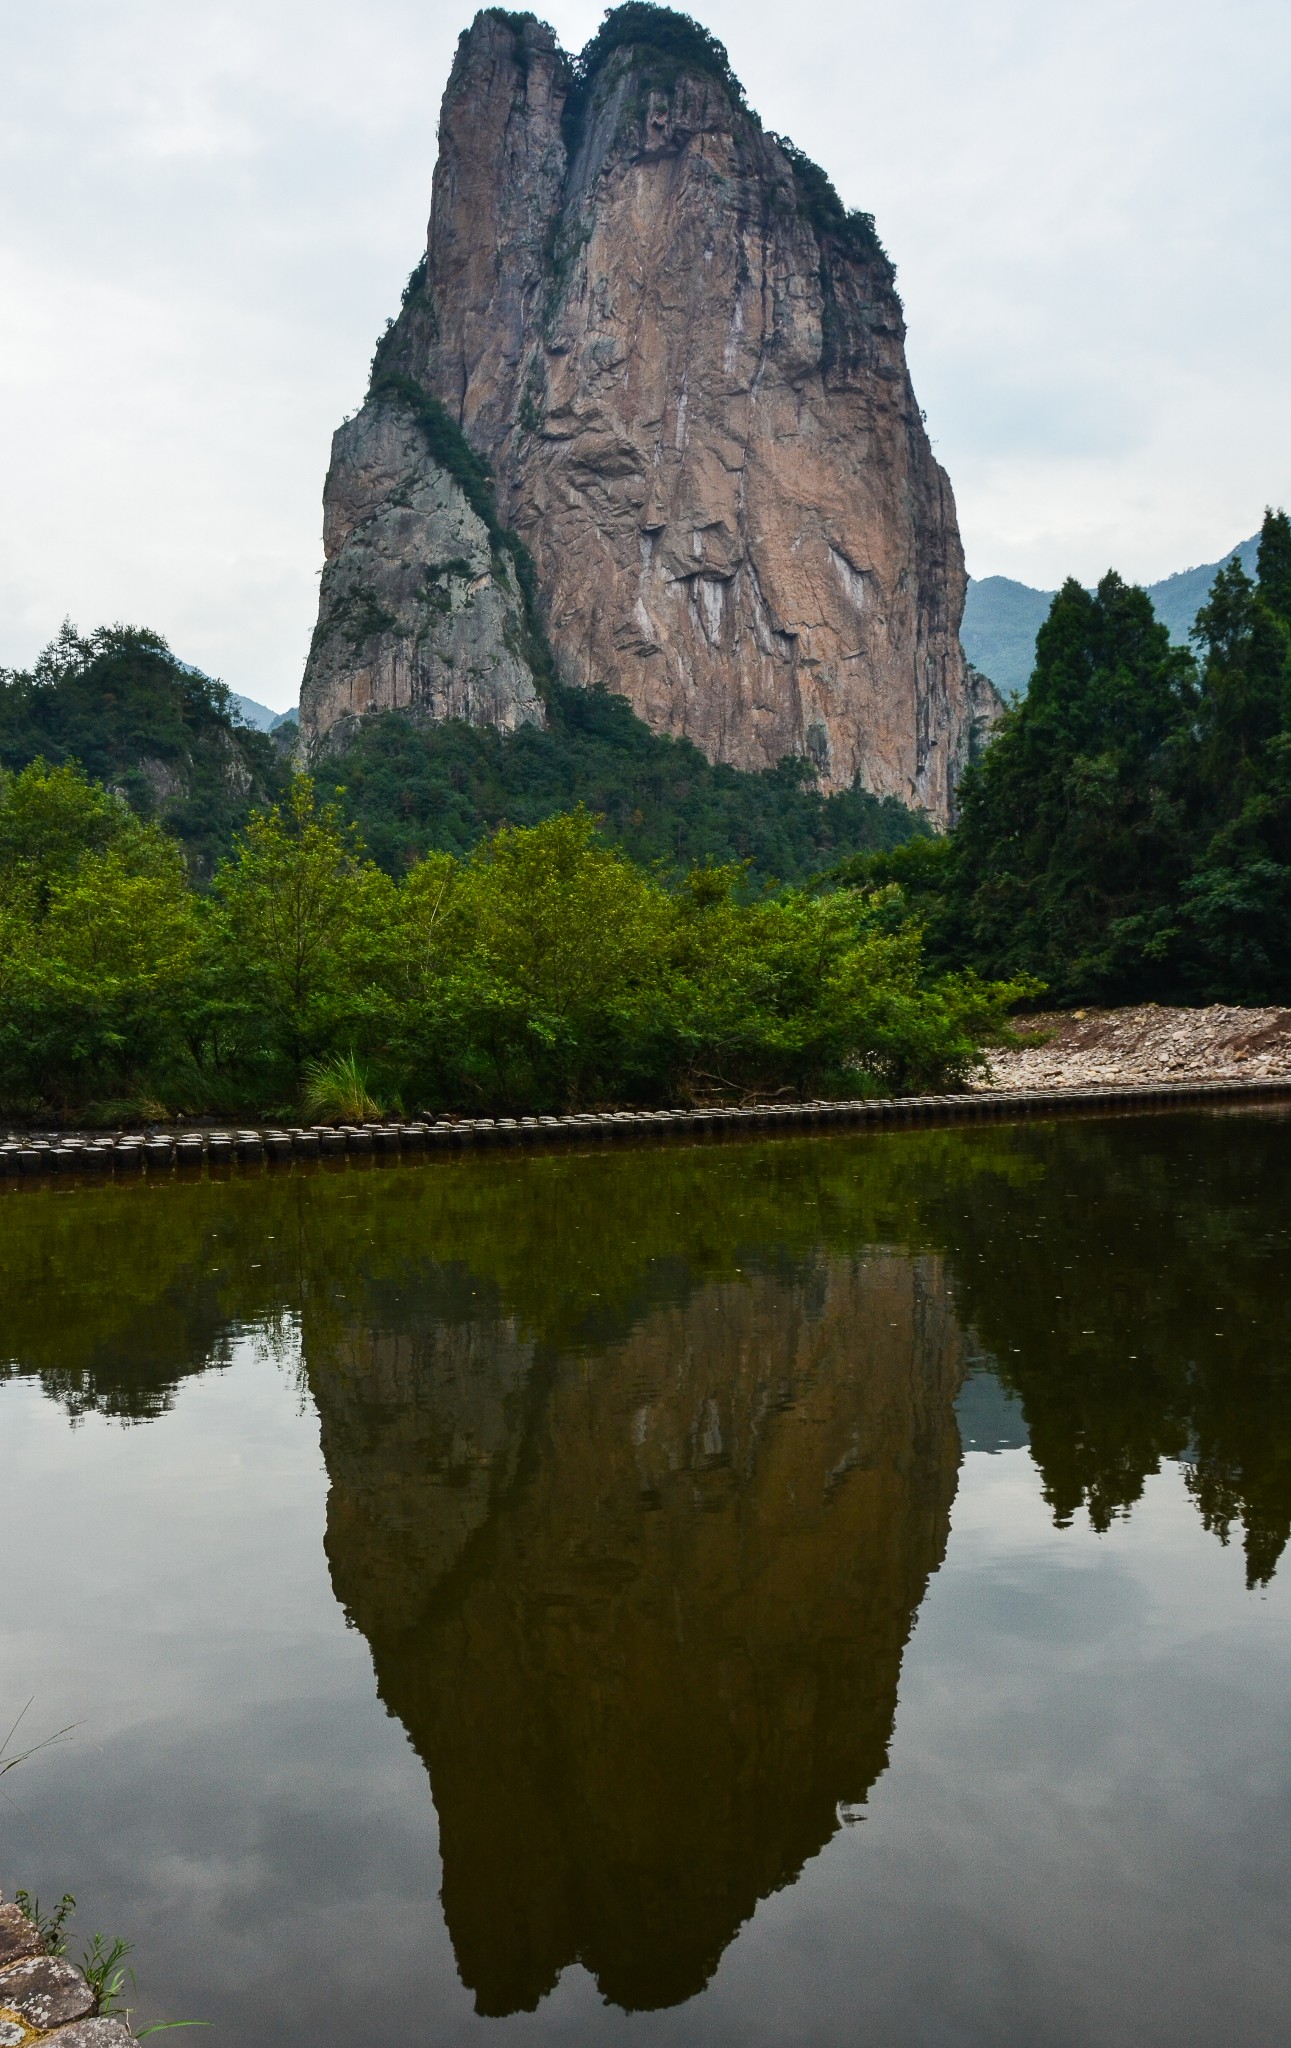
1068,850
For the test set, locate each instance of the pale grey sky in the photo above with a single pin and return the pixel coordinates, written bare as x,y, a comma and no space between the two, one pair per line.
210,207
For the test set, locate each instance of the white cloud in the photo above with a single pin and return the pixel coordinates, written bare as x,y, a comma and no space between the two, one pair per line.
208,211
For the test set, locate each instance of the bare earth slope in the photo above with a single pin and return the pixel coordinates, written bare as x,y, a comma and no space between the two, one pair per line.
691,385
1086,1048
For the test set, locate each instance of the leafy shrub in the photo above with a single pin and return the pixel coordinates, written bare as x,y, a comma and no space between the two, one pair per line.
99,939
543,970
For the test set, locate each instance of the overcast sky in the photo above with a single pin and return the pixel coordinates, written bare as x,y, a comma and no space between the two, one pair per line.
210,206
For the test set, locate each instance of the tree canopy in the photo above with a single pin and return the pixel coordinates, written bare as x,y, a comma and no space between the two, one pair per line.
139,720
1127,833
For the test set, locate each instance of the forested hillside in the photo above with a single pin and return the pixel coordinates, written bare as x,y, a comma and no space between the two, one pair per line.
137,719
1127,834
415,787
173,743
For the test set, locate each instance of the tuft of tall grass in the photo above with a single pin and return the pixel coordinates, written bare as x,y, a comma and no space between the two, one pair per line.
338,1090
49,1926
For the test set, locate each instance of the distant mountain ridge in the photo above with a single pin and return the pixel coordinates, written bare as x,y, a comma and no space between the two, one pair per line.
259,716
1002,617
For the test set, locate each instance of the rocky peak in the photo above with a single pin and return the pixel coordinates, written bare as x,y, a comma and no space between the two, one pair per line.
683,363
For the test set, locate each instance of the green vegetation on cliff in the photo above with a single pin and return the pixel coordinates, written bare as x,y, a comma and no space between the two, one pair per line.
470,471
413,788
665,43
668,45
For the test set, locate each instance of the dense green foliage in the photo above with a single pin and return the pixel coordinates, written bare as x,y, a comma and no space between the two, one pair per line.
412,788
545,969
135,718
1127,834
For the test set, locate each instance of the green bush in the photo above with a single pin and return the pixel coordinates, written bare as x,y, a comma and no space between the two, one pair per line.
545,969
99,942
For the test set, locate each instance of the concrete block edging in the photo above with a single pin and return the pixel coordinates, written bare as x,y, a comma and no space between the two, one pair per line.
271,1148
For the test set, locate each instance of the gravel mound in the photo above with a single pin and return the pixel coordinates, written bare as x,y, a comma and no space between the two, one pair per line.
1084,1048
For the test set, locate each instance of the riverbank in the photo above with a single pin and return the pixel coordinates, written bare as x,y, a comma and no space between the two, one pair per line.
46,1998
128,1154
1147,1044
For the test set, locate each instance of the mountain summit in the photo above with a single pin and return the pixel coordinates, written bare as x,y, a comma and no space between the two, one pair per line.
645,418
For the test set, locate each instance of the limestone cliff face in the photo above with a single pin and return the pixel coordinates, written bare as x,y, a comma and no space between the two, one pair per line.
686,367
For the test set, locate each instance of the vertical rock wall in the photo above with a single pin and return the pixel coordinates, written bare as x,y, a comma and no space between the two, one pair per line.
686,367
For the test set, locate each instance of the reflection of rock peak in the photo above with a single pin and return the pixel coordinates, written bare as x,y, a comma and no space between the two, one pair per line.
672,1646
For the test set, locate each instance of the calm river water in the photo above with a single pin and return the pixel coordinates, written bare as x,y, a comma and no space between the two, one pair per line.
824,1591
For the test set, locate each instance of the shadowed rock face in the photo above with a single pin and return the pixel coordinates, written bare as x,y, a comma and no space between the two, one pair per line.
642,1611
417,610
697,408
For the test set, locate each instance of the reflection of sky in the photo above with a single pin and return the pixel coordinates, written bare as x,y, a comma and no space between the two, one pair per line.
990,1417
1081,1836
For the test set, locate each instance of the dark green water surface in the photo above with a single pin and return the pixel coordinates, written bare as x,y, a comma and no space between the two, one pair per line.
824,1591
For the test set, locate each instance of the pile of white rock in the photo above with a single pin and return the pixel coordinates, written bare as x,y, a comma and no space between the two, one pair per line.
1147,1043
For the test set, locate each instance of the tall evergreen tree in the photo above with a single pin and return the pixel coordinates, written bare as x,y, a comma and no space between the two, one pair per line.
1273,564
1068,853
1234,937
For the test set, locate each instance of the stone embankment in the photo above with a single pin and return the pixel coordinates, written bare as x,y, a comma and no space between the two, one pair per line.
130,1154
1101,1048
46,1998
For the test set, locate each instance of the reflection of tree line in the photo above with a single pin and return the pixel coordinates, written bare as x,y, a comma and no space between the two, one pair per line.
1156,1234
639,1463
152,1284
1144,1314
